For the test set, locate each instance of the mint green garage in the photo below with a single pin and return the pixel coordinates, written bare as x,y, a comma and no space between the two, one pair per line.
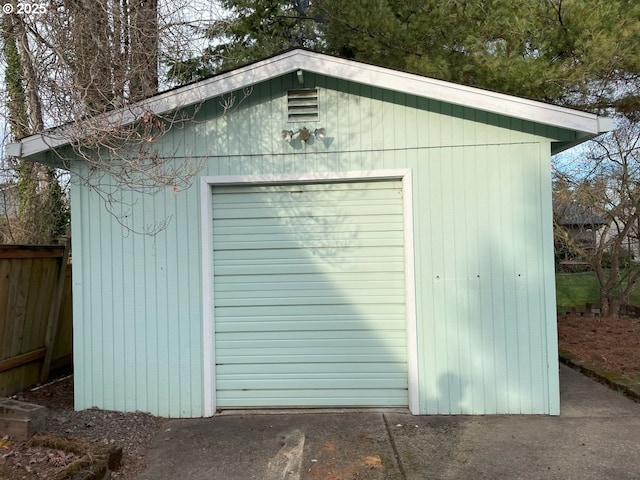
357,236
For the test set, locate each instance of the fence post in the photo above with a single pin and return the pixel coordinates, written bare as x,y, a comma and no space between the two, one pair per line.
54,316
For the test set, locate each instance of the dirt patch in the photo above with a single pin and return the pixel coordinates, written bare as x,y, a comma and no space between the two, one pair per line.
612,345
133,432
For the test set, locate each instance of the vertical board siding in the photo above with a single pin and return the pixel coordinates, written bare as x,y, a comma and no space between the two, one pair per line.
488,285
482,234
137,343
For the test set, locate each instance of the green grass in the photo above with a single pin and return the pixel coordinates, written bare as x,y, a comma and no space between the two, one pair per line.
578,289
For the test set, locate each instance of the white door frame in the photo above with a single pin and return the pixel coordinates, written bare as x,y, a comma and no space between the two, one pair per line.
206,219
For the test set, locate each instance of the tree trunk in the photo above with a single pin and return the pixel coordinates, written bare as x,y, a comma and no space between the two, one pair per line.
144,49
610,304
90,54
18,116
42,212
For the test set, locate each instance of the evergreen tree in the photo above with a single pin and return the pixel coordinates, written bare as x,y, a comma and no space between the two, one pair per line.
574,52
582,53
254,30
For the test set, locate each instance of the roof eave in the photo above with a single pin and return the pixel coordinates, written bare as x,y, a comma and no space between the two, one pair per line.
244,77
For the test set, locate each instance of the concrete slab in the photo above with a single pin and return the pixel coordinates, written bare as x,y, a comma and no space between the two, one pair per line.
495,447
580,396
597,436
275,447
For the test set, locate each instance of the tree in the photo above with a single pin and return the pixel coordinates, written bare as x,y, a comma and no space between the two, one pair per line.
574,52
42,214
249,31
81,62
571,52
606,181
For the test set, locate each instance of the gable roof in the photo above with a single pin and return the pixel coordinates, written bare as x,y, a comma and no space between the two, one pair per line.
571,214
586,125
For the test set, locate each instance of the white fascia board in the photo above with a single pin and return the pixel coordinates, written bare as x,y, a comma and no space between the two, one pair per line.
349,70
453,93
605,124
165,102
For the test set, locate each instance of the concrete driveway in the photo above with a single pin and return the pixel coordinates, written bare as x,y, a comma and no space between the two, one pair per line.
597,436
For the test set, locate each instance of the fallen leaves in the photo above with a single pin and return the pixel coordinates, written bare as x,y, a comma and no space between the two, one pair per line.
372,462
612,345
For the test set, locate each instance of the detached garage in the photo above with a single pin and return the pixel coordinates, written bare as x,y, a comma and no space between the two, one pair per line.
356,237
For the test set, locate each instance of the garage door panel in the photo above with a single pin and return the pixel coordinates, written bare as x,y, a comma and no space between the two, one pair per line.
292,226
318,214
340,278
316,382
310,398
300,206
317,336
312,301
271,256
301,240
309,295
339,323
331,260
315,226
300,193
282,360
310,187
265,287
312,193
266,291
364,313
369,369
249,243
310,262
229,346
298,351
330,268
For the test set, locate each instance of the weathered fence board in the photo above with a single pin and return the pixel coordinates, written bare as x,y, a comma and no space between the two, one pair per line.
35,311
63,345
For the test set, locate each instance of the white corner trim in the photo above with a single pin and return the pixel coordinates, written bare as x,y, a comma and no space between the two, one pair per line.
410,293
208,325
208,296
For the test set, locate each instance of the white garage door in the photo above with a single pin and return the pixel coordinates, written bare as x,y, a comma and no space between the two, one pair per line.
309,298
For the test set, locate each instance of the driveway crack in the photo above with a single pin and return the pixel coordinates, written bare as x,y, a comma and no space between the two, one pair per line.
394,447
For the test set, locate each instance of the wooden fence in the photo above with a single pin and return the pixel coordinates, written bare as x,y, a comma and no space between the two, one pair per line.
35,314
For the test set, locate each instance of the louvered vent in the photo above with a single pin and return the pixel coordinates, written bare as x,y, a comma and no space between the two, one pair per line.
302,105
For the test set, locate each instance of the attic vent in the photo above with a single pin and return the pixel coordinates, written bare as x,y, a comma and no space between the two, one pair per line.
302,105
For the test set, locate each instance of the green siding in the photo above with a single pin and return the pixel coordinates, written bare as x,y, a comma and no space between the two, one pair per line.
137,337
482,235
309,295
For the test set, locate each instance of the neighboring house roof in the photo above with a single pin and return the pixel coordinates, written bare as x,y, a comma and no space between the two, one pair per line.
573,214
586,125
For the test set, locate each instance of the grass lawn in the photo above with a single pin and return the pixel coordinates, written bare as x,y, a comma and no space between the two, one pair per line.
578,289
